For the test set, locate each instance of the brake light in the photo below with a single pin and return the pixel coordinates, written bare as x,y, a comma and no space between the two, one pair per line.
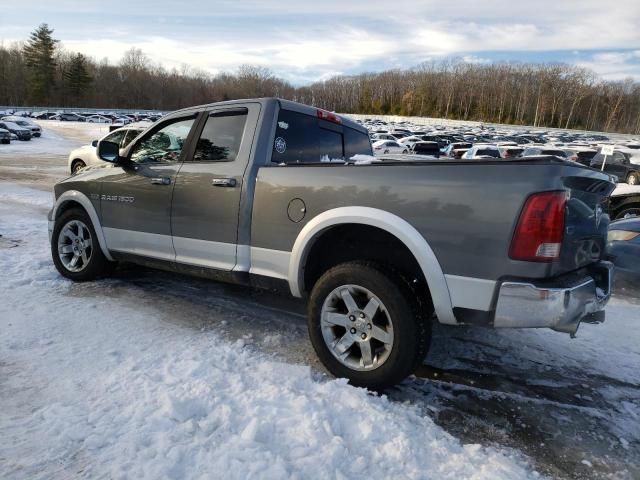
329,116
538,235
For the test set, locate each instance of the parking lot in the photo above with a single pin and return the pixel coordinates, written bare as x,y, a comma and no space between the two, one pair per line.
105,357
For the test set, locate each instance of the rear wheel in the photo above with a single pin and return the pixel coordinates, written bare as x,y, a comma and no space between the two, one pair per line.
77,165
633,179
75,249
366,325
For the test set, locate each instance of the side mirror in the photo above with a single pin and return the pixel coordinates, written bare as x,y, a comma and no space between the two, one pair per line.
108,151
94,143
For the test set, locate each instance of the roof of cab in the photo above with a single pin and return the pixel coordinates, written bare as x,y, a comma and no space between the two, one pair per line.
286,104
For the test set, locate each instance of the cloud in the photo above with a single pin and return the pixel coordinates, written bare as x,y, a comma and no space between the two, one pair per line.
305,41
615,65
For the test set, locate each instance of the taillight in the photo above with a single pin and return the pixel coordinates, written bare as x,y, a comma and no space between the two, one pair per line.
329,116
538,236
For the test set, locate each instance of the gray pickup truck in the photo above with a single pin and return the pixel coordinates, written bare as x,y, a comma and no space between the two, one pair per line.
272,193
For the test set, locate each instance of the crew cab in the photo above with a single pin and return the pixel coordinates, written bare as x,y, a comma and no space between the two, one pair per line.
275,194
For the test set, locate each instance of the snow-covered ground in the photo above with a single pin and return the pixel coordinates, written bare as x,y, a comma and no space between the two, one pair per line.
97,387
154,375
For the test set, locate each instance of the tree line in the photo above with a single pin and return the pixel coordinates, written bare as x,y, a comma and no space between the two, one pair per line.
41,72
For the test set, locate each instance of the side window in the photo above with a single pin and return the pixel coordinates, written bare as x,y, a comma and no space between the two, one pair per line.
116,137
618,158
163,145
221,137
302,138
356,142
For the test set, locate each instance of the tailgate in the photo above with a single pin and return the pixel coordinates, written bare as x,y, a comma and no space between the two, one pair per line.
587,219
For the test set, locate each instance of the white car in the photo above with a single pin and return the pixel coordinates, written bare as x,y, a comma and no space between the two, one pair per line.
86,155
382,136
482,151
408,141
98,119
388,146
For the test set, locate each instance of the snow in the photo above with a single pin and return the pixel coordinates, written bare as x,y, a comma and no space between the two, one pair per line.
97,386
625,189
326,159
360,159
52,141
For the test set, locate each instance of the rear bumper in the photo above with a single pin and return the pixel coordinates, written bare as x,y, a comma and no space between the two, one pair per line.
560,305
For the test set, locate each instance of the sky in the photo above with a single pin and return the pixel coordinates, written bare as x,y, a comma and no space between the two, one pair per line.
309,41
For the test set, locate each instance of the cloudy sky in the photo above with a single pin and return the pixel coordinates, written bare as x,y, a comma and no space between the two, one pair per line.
306,41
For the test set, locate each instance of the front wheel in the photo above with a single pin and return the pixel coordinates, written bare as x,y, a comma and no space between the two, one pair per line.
633,179
76,166
75,249
366,325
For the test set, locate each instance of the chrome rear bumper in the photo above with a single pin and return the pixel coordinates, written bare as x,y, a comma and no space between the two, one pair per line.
560,306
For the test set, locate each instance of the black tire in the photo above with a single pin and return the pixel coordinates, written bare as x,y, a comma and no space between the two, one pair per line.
633,179
6,142
411,323
97,265
405,151
76,165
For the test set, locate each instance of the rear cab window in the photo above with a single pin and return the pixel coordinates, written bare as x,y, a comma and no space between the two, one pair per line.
304,139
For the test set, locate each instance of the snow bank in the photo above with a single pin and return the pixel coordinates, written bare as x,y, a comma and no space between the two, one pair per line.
99,386
624,188
360,159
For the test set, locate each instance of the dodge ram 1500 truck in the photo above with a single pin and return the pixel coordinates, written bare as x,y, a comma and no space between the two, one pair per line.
270,193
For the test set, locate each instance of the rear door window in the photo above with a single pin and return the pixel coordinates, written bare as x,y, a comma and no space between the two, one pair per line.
302,138
221,137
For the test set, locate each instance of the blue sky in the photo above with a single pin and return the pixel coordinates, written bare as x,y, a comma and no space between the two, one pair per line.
308,41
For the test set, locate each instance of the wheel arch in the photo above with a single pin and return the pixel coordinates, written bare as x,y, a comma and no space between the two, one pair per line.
74,198
387,222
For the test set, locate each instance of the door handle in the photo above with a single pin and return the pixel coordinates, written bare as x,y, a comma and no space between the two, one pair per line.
224,182
161,181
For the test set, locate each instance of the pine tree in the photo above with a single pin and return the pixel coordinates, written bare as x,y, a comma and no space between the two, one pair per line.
38,53
77,76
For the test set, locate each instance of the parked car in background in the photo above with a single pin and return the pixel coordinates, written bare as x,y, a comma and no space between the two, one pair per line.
21,132
582,155
410,140
624,201
426,148
86,155
623,248
620,164
388,146
456,149
119,122
482,151
509,151
97,119
36,131
43,115
382,136
536,151
68,117
5,136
